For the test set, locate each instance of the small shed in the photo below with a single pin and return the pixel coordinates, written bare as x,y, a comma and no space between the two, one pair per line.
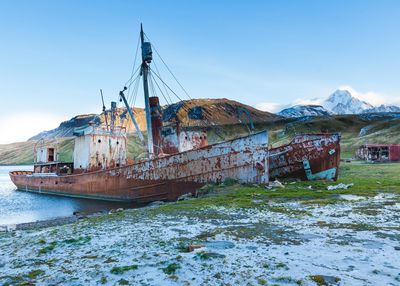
379,152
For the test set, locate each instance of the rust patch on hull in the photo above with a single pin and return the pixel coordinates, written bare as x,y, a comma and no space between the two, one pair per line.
163,178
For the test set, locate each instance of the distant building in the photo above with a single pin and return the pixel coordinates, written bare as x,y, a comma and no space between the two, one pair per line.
379,152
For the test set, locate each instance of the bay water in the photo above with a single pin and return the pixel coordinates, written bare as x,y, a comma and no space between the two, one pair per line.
19,206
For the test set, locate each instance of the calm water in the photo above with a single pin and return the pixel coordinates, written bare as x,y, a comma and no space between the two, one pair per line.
18,206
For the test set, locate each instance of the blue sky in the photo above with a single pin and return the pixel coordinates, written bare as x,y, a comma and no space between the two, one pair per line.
56,55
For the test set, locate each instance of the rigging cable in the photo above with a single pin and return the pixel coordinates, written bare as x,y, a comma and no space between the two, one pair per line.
168,67
135,81
159,88
134,61
165,88
165,83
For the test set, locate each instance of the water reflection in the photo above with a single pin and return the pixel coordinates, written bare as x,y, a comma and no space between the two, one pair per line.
19,206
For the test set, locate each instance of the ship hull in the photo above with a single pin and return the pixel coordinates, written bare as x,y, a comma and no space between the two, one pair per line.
243,159
307,157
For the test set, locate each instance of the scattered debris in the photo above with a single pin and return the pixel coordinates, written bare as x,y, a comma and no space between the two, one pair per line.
192,247
156,203
184,196
115,210
340,186
275,184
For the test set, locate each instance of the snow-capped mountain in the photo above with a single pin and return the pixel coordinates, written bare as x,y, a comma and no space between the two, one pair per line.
304,110
339,102
383,108
342,102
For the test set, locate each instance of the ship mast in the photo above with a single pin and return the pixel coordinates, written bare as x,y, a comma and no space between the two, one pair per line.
146,59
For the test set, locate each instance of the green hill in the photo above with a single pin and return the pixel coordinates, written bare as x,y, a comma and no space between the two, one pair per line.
355,130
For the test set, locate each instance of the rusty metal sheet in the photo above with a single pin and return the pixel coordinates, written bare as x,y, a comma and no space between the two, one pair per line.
307,157
394,152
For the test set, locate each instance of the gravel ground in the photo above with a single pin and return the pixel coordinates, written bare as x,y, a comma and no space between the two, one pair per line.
356,242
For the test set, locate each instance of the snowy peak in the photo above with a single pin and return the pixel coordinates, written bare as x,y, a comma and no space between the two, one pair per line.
383,108
342,102
304,110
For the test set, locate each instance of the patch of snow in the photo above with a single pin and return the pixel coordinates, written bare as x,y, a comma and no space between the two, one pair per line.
351,197
339,186
242,246
304,110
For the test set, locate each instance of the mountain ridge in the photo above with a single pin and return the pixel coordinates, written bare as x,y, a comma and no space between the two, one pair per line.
221,111
304,110
339,102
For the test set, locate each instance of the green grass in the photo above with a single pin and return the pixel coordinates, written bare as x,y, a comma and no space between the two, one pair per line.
35,273
78,241
320,280
171,268
368,180
50,247
121,269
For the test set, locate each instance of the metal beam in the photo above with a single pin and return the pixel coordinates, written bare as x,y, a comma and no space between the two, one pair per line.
122,95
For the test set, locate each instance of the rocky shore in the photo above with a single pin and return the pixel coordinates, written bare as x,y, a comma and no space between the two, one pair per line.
352,242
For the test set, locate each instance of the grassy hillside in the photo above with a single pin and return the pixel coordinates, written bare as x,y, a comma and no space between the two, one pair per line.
22,152
374,129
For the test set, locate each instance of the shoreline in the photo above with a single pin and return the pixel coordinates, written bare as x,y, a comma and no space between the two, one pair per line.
57,221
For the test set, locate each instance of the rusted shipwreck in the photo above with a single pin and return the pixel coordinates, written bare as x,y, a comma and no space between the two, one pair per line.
178,161
307,157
